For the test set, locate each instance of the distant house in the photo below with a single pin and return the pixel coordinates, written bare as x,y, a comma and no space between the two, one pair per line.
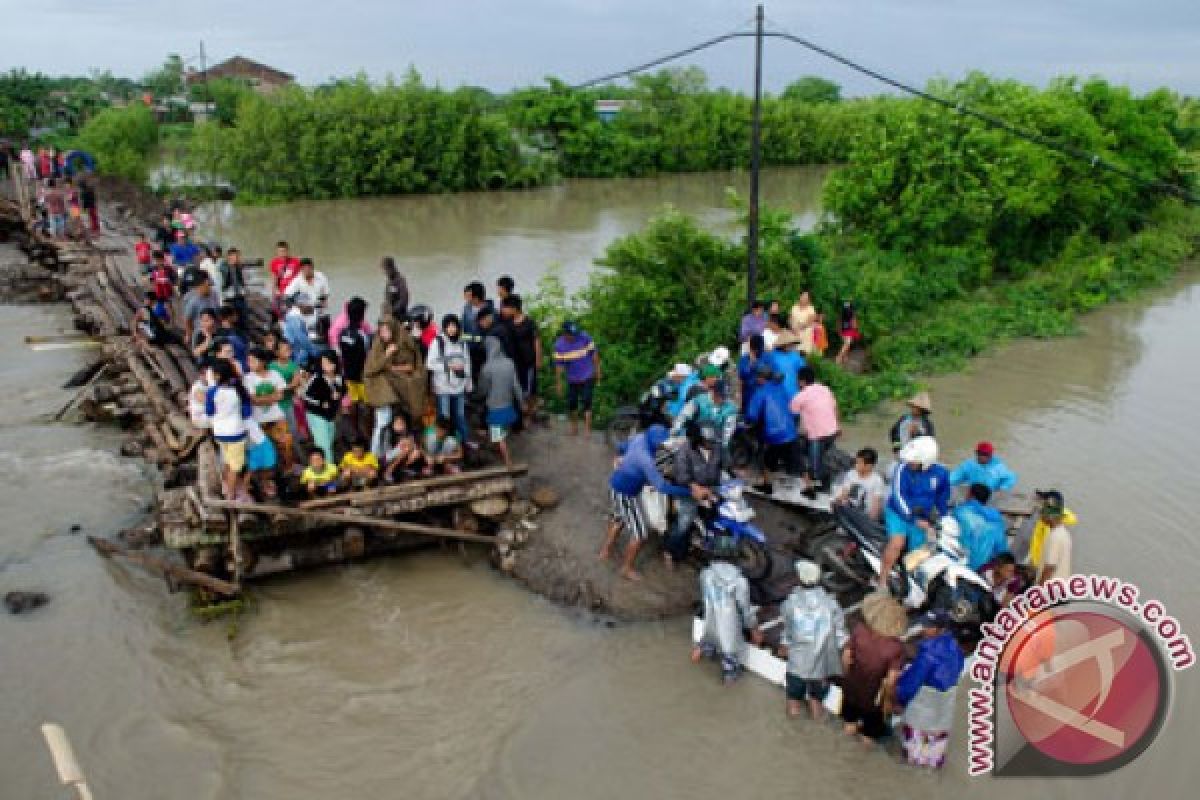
607,110
264,79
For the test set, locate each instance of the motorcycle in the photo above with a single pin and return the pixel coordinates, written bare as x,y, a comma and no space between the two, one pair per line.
724,531
629,420
934,576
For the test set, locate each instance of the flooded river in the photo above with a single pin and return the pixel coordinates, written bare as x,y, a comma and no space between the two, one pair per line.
441,242
431,677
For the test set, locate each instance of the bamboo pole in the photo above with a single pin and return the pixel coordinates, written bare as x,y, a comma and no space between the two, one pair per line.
348,519
409,488
166,568
65,763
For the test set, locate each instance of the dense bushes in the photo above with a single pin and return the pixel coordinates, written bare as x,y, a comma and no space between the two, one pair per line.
949,237
673,122
122,141
353,139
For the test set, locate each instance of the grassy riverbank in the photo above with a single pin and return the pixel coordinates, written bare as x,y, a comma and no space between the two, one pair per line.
950,237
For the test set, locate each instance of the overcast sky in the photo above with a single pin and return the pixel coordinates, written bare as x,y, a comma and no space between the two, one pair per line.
503,43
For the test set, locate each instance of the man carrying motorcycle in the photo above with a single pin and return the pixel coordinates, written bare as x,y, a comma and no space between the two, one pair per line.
920,494
635,470
699,462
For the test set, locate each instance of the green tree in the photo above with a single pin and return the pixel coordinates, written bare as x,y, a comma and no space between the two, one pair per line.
121,140
812,89
167,80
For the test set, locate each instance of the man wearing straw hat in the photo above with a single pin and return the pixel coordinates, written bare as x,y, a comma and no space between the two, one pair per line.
914,423
872,659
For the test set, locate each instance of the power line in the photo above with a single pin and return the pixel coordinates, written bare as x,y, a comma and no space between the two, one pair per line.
625,73
1093,159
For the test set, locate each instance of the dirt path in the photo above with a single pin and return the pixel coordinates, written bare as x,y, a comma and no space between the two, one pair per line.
559,561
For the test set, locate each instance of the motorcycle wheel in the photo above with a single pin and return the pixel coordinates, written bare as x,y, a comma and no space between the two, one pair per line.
753,559
620,429
741,450
967,607
838,574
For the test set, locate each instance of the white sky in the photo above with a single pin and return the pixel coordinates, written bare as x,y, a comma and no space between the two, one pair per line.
504,43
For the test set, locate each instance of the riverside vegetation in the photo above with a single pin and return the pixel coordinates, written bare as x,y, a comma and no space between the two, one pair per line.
949,235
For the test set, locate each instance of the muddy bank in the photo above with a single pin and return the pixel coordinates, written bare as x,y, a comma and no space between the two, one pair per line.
559,559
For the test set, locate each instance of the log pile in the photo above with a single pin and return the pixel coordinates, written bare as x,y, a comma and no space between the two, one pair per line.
218,543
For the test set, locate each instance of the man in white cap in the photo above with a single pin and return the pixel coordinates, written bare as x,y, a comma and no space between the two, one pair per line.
920,495
662,396
720,358
814,633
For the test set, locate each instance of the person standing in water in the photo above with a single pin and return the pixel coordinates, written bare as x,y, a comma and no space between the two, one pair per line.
725,596
928,688
814,633
914,423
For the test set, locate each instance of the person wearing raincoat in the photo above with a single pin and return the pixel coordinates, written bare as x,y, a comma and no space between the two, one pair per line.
814,633
725,596
928,688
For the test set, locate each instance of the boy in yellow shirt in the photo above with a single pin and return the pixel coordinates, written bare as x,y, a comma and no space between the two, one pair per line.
319,478
359,467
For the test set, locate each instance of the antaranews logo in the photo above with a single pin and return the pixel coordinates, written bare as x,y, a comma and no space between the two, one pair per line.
1074,678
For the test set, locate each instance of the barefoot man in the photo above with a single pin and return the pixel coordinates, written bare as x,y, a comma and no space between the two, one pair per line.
634,471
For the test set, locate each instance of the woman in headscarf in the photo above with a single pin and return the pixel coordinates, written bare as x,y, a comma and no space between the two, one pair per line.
395,290
395,377
408,375
928,689
449,367
377,377
872,660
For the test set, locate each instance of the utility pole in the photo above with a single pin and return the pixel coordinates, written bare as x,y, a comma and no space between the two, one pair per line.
755,157
212,178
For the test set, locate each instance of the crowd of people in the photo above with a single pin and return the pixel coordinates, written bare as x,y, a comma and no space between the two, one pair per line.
773,396
324,399
65,201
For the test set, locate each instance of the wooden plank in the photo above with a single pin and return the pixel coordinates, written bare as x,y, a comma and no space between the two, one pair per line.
409,488
338,518
166,568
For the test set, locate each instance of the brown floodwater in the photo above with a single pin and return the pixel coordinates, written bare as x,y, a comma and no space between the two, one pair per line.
433,677
442,242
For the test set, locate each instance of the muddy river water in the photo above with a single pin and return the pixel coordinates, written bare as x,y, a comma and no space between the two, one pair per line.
433,677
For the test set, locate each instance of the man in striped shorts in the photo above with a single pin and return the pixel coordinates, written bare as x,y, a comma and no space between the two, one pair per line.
634,472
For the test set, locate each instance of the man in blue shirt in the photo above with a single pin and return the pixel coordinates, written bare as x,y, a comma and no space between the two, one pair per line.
183,251
920,490
986,468
746,367
635,471
787,361
981,528
768,412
